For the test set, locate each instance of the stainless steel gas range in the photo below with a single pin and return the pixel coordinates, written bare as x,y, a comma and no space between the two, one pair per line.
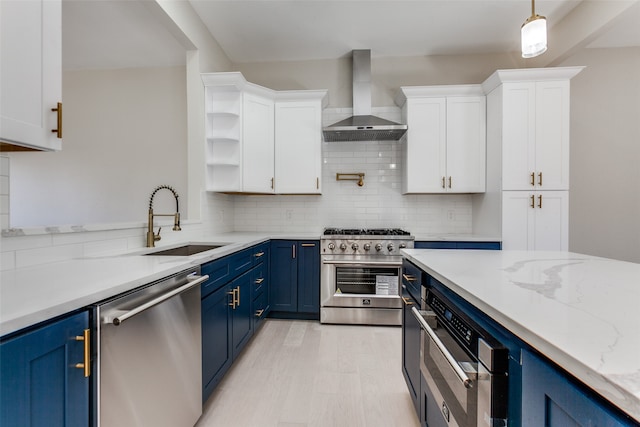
360,275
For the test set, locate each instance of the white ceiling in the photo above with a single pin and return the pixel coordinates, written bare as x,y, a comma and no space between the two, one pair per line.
123,33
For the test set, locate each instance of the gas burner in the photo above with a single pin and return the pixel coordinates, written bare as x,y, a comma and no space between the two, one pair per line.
365,232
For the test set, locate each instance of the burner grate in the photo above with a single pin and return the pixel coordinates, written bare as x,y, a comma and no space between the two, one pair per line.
365,232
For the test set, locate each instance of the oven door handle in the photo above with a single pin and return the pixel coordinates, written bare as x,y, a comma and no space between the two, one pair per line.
464,379
363,262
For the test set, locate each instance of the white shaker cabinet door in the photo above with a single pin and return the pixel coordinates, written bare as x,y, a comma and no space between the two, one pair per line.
535,220
552,135
31,73
298,159
518,135
425,150
257,144
466,144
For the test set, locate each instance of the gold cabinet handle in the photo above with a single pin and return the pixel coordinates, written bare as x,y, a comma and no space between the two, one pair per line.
86,365
272,179
540,201
533,179
293,250
258,255
443,180
238,293
317,183
409,278
540,179
308,245
259,312
449,182
232,304
58,131
407,301
260,280
533,201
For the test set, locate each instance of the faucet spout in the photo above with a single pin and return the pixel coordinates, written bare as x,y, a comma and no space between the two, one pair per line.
152,237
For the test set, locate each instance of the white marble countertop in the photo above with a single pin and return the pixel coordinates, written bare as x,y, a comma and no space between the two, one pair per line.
578,310
34,294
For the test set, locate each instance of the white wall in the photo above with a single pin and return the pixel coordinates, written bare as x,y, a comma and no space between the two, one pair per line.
604,202
124,134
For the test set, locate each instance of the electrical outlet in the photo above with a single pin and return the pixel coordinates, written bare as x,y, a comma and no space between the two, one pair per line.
451,215
288,213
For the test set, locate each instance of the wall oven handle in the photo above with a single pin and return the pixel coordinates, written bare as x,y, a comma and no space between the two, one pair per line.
466,381
193,281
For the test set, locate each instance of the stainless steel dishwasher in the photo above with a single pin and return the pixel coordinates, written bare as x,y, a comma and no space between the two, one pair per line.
149,355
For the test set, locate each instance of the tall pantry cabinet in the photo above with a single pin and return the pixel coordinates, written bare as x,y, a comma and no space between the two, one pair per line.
528,121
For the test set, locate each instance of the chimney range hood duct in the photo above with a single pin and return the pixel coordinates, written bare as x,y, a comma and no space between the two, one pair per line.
362,126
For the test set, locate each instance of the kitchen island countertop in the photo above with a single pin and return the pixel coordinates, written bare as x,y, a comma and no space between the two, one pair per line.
579,311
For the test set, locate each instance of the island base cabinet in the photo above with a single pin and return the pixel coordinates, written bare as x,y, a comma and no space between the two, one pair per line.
41,385
551,399
411,349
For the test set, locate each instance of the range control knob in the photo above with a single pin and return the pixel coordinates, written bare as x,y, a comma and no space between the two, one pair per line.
354,246
390,247
331,245
402,245
378,247
367,246
343,246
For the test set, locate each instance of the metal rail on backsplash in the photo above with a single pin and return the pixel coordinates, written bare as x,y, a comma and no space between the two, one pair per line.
358,176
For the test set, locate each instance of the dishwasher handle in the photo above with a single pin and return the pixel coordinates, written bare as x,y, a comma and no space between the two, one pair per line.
460,373
193,280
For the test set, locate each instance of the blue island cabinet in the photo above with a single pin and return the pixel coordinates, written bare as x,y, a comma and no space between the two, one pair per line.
295,279
551,398
41,384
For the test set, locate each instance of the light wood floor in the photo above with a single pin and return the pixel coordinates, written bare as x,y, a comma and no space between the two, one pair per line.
302,373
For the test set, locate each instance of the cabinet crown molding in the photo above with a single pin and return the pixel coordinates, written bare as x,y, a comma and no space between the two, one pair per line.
528,75
407,92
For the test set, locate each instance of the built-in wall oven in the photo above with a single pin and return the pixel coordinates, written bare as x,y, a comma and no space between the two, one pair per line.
465,368
360,275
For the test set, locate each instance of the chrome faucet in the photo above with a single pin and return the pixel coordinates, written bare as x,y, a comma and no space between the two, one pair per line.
151,236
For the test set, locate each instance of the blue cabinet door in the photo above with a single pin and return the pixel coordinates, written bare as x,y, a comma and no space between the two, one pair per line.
284,276
216,339
551,399
40,384
308,254
242,322
411,348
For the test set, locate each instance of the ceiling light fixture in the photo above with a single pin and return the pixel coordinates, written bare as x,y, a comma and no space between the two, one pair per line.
534,34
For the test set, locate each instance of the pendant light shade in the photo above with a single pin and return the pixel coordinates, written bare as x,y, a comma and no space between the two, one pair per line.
534,34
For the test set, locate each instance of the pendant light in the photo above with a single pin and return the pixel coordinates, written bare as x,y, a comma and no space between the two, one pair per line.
534,34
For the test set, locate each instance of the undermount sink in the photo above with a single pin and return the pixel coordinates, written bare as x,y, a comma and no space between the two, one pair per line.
185,250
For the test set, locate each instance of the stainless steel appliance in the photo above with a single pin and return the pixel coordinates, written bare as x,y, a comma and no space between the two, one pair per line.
149,355
359,278
465,368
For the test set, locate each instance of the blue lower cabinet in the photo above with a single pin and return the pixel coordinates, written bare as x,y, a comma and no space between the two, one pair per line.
216,339
295,279
411,348
241,314
40,383
551,398
495,246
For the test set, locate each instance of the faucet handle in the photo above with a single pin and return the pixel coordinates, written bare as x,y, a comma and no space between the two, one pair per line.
157,237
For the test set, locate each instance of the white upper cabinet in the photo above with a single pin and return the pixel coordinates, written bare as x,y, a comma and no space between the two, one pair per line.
298,156
536,135
261,141
257,144
31,75
444,149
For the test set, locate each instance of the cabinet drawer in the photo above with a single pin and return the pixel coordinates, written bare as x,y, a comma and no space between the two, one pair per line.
261,253
261,306
241,262
412,279
258,280
219,272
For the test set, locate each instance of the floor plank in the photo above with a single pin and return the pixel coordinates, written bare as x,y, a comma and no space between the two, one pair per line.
298,373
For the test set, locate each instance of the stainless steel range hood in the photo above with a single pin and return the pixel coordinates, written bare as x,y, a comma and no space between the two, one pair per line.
362,126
